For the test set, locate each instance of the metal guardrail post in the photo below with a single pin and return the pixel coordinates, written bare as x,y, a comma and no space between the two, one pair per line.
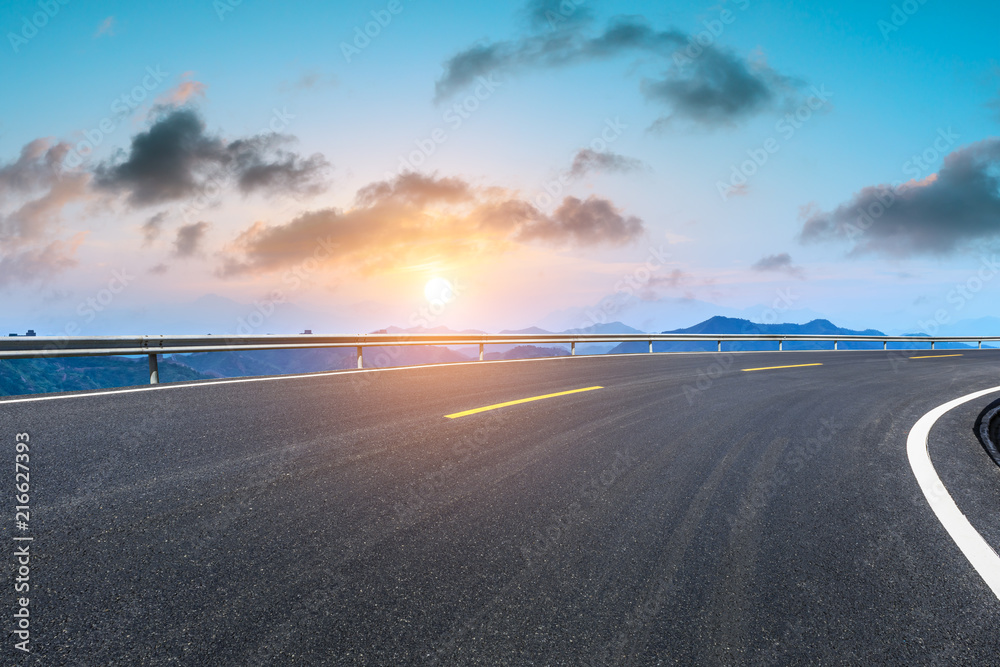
154,370
360,363
781,344
932,345
480,352
885,345
651,347
719,346
572,348
836,344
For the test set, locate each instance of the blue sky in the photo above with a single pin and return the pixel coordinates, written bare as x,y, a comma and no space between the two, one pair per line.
605,170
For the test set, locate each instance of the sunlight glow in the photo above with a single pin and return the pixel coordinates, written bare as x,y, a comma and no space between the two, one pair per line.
439,289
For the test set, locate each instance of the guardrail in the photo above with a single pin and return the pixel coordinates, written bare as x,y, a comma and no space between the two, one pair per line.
35,347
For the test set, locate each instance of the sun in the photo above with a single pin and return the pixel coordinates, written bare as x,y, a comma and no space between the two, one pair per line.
439,289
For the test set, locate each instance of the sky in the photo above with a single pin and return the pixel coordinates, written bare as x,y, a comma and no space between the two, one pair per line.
265,167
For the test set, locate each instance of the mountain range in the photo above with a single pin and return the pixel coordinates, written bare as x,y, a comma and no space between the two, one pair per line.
30,376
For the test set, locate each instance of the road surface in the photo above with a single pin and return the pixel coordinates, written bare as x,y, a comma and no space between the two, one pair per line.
681,510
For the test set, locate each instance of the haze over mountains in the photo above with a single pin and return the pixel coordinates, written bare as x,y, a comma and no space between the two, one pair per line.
28,376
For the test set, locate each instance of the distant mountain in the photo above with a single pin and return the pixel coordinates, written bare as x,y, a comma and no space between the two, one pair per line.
27,376
732,325
37,376
662,313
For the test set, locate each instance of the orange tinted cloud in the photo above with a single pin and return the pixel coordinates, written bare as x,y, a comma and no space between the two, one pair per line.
415,217
37,189
182,92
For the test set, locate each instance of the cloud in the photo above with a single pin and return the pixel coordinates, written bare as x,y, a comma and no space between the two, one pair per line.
39,263
934,216
673,279
107,28
38,166
556,14
38,189
413,217
176,159
158,269
587,160
552,49
186,90
189,239
308,81
151,228
676,278
717,87
261,164
591,222
780,262
34,191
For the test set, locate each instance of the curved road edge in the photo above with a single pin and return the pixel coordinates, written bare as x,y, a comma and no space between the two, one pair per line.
977,550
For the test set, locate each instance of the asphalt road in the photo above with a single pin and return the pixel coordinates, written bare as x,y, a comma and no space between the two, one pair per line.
688,512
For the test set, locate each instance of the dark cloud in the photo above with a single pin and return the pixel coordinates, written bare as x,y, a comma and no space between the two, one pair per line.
591,222
176,159
957,205
463,68
260,164
719,87
151,228
413,217
710,85
780,262
189,239
587,160
165,163
158,269
551,49
556,14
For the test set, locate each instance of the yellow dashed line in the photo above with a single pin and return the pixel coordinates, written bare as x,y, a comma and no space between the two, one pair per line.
518,401
771,368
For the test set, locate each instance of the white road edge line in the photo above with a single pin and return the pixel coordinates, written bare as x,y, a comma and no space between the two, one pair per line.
979,553
297,376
